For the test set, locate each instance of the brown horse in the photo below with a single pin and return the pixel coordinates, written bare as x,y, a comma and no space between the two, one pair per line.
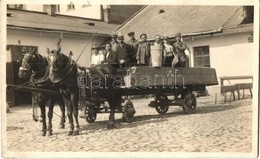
63,74
34,65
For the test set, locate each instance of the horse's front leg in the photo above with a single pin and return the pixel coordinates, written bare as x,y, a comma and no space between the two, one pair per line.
69,112
41,103
74,102
50,115
62,108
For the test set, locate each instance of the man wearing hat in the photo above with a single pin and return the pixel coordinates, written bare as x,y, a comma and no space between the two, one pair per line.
123,51
133,43
114,42
179,48
143,52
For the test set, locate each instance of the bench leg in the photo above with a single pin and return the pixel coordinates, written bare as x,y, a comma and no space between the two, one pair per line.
243,93
225,97
234,95
238,94
251,93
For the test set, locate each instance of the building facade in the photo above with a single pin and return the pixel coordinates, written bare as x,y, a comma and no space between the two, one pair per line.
217,40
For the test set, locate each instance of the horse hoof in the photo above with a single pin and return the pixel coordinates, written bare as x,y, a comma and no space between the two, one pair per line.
49,133
75,133
43,133
61,126
110,125
69,133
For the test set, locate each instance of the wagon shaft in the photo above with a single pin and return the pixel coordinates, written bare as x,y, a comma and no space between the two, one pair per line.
31,89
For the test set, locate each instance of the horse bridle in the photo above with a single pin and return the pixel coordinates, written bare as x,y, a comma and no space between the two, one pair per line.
25,64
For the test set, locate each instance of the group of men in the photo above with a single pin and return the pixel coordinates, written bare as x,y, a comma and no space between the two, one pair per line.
142,53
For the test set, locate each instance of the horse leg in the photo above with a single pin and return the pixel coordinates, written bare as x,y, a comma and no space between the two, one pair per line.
62,108
113,105
74,102
41,102
69,114
50,115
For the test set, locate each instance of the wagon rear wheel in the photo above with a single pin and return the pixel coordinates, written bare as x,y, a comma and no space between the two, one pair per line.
162,104
190,103
128,111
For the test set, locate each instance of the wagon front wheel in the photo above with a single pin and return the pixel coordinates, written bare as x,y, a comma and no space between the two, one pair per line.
162,104
190,103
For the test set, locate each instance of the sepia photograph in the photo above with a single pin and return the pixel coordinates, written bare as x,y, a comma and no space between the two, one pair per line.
92,79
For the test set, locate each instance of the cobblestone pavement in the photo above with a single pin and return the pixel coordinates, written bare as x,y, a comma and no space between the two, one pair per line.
213,128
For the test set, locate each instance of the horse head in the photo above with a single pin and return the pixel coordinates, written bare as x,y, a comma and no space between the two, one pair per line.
28,64
59,65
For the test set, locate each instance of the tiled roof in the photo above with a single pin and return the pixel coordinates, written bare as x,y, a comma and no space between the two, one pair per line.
42,21
167,20
120,13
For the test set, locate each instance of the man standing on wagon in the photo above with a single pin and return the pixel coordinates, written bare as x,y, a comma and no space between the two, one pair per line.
110,56
97,57
179,47
123,51
168,52
133,43
114,42
143,52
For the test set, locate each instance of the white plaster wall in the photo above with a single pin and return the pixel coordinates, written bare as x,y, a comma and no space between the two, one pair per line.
70,42
93,11
230,54
34,7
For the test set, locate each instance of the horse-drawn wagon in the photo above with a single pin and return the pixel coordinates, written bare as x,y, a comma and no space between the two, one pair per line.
180,83
103,88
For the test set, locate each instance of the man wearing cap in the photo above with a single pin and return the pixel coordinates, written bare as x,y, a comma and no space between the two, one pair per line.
114,42
97,57
179,48
143,52
133,43
123,51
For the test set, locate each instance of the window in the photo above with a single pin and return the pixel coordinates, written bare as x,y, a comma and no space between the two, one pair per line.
52,6
71,6
201,56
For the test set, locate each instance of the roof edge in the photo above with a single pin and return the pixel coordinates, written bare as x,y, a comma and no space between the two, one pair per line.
239,26
54,30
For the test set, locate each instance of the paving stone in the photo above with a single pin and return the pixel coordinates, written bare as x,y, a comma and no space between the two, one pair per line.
214,128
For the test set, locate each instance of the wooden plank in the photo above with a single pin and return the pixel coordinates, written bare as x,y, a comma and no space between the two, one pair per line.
160,76
228,88
240,86
235,77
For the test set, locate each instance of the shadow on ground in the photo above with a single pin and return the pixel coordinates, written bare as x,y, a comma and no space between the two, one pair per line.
146,119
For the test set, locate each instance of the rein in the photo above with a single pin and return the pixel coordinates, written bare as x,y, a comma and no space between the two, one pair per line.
93,35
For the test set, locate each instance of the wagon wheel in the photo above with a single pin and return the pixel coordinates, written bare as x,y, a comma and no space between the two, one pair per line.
163,104
128,111
190,103
91,114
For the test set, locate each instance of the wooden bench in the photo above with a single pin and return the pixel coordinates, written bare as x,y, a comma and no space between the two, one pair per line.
232,88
